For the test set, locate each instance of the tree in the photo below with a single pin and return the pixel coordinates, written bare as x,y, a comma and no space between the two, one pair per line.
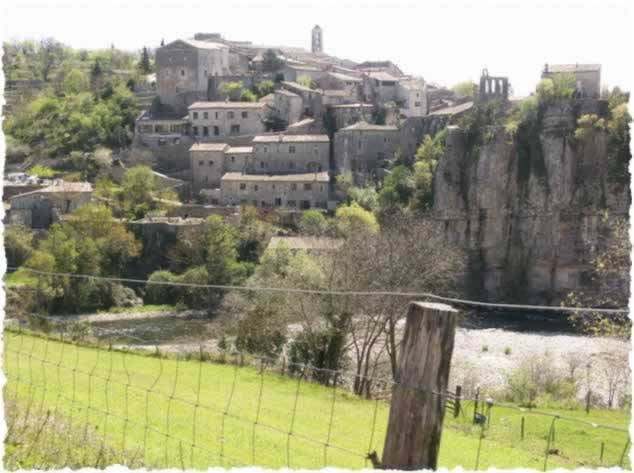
353,217
398,188
51,54
75,82
248,96
265,87
145,65
466,89
138,191
18,244
427,156
313,223
270,61
231,90
306,81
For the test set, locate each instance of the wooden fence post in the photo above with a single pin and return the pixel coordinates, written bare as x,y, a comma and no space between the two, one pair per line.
413,433
456,410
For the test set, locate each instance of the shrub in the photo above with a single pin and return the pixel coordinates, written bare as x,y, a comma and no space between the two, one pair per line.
535,376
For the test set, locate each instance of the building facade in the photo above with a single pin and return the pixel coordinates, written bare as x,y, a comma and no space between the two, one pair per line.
212,120
184,68
207,164
411,96
288,106
587,76
363,149
293,191
282,154
317,40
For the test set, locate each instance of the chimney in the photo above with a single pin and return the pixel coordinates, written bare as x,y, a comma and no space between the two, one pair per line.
546,67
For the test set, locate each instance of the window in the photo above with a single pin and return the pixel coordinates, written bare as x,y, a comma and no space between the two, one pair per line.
266,150
293,187
273,187
416,104
216,115
195,115
308,187
380,155
233,159
291,203
206,179
278,202
182,72
205,115
245,114
243,186
262,164
216,131
195,130
291,165
305,204
384,140
256,187
200,163
235,129
205,72
316,150
230,115
211,163
360,145
205,131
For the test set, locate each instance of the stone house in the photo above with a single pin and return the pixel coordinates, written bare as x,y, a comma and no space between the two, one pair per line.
293,191
411,97
211,120
207,164
160,128
292,72
288,106
380,87
339,81
43,207
363,150
184,67
349,114
588,77
311,98
380,66
281,154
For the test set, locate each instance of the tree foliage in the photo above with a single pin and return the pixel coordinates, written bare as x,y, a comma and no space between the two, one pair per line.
466,89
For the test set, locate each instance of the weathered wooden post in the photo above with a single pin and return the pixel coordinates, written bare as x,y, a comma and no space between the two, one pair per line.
418,398
456,410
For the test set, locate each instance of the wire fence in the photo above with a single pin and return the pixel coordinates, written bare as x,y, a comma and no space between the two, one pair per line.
73,403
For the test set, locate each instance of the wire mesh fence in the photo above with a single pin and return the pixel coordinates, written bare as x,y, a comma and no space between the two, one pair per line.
81,404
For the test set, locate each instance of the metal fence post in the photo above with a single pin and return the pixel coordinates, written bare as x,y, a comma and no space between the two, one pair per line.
417,409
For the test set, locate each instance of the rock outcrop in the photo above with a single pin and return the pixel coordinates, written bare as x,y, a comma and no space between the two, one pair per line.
528,210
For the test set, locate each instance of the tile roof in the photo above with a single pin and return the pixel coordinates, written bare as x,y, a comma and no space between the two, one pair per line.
288,93
301,123
353,105
204,44
209,147
572,68
463,107
296,86
365,126
306,177
344,77
60,187
239,150
225,105
382,76
291,139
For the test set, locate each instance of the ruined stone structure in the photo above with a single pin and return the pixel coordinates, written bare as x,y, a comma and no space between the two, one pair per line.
492,88
528,211
587,76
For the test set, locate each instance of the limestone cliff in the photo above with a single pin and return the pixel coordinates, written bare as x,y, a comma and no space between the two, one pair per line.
528,209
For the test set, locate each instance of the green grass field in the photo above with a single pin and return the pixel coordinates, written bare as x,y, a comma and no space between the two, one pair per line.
188,414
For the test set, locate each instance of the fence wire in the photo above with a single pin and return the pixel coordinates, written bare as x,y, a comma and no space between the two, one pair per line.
100,405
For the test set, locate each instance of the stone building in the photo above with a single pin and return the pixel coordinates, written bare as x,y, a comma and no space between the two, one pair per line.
293,191
288,106
493,88
588,77
281,154
351,113
311,99
160,128
207,164
184,67
293,71
363,149
211,120
380,66
43,207
411,97
380,87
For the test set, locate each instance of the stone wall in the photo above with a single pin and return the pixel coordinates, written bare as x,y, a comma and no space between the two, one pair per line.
528,212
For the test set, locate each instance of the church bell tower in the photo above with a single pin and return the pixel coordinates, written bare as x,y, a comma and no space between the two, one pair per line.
317,40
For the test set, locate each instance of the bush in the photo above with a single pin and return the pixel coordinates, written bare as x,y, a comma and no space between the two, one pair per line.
160,293
537,376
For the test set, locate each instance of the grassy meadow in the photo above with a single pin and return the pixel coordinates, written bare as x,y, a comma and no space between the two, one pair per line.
76,405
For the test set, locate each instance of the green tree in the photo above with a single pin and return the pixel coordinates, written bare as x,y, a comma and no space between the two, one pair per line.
265,87
231,90
466,89
248,96
350,218
75,82
306,81
313,222
398,188
138,189
427,156
18,244
144,64
270,61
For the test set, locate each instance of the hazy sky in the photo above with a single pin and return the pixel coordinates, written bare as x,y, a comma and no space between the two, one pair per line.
443,41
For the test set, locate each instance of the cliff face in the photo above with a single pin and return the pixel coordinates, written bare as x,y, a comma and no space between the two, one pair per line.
528,210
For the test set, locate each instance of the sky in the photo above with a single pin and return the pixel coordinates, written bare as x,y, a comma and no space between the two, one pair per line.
446,41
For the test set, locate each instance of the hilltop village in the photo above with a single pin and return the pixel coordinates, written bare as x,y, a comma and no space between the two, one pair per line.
222,124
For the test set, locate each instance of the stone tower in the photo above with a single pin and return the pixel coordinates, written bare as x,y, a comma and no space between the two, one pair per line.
317,40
